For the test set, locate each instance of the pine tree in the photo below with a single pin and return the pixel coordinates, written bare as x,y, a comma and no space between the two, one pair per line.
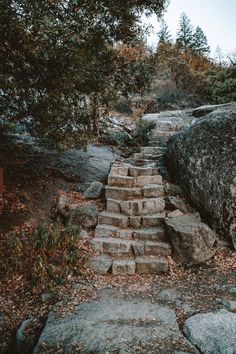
219,56
200,43
164,34
184,38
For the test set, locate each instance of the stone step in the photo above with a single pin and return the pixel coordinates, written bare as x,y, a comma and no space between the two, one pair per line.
118,247
124,267
158,142
142,206
154,150
148,157
149,234
157,133
151,265
136,207
153,220
142,234
112,246
120,181
119,169
142,180
122,193
156,248
113,205
113,219
142,162
153,190
104,230
143,171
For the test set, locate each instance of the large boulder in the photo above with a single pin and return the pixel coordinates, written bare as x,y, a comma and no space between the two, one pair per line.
113,325
202,159
204,110
192,240
212,332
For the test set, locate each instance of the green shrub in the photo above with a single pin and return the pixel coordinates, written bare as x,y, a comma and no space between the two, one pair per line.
123,107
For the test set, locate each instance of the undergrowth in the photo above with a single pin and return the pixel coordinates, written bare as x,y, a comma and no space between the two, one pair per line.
49,251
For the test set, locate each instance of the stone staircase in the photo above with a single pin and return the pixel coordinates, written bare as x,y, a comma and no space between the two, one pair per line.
130,236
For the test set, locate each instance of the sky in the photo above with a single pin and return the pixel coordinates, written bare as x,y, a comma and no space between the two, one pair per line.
217,18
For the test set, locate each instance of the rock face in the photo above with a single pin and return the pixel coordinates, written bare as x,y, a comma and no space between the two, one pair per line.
202,159
192,240
111,326
212,332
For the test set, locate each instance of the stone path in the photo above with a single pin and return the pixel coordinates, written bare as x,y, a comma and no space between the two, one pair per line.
130,236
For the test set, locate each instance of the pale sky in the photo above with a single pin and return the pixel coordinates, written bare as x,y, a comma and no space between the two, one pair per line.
217,18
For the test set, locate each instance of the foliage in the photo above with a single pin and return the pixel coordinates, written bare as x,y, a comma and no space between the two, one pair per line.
123,106
184,38
200,43
49,250
222,81
164,34
60,55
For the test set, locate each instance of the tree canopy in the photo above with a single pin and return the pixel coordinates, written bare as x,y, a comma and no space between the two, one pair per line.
55,54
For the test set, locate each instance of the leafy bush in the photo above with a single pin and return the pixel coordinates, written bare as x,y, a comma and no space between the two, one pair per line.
123,107
222,81
48,251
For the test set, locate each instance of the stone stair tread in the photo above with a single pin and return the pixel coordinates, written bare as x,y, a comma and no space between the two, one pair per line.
110,213
151,265
136,171
143,234
123,181
115,246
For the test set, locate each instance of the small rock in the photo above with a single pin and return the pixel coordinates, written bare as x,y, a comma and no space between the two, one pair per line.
49,298
232,290
62,202
83,234
100,264
27,335
173,203
174,189
84,215
230,305
170,295
175,213
94,191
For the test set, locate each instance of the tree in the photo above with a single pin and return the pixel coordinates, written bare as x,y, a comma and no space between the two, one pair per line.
200,43
59,53
164,34
219,56
184,38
